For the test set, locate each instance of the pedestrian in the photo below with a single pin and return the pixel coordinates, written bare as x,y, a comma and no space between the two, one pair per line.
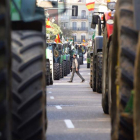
75,68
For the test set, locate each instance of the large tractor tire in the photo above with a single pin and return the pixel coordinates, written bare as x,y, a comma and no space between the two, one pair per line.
47,72
124,41
28,86
104,74
68,67
65,67
51,77
91,71
61,71
5,71
99,72
56,71
136,93
94,74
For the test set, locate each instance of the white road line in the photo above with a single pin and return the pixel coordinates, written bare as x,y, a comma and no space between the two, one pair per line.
58,107
51,97
69,124
49,92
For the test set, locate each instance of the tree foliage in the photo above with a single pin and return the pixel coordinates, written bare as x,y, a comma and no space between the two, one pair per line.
55,30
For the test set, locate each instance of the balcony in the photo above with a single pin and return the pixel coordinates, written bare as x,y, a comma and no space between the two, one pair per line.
79,29
79,17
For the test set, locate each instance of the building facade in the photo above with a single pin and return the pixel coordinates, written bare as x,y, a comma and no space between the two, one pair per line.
81,24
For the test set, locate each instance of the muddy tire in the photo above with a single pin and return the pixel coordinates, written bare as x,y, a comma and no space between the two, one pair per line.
65,67
99,72
5,71
28,85
124,59
91,71
47,72
61,71
94,74
56,71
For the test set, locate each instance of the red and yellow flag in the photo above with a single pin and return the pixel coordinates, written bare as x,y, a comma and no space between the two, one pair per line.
90,5
48,24
57,39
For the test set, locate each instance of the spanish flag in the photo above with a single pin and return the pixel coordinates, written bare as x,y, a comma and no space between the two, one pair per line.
90,5
57,39
48,24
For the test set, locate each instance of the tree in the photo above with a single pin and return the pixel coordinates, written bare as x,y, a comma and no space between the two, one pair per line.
55,30
67,33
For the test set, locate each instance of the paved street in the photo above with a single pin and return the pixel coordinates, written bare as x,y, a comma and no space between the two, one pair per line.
75,112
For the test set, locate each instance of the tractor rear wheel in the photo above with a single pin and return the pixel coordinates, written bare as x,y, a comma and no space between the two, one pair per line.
56,71
136,93
28,86
99,72
65,67
5,71
47,72
125,40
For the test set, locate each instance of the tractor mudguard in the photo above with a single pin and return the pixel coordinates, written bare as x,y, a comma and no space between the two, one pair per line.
26,10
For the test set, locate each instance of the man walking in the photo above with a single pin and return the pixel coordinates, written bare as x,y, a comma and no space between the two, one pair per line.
75,68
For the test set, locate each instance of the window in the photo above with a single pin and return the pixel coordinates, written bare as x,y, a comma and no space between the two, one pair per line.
83,37
65,24
83,13
83,25
74,37
74,25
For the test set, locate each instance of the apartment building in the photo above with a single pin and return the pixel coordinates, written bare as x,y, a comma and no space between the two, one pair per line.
80,25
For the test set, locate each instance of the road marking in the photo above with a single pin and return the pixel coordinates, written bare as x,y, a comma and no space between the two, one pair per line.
69,123
51,97
58,107
50,92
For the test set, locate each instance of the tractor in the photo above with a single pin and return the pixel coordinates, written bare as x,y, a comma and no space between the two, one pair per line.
22,71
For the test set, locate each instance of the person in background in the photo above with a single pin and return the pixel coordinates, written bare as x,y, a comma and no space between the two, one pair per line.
75,68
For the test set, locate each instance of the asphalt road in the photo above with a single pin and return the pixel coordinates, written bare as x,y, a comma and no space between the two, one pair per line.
75,112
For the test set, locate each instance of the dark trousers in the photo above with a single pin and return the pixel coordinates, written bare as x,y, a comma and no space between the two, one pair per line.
77,72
